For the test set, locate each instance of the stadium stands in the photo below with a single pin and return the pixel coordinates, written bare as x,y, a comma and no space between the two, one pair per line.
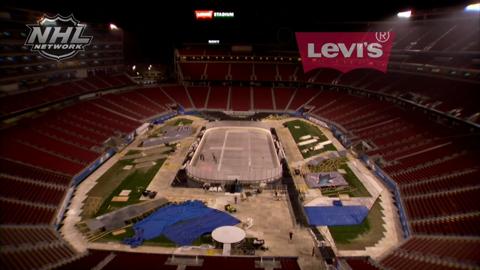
434,166
360,264
262,98
179,94
434,253
240,99
193,71
121,260
199,96
218,98
18,102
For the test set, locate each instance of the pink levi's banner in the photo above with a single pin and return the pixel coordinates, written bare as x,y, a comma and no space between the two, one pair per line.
345,51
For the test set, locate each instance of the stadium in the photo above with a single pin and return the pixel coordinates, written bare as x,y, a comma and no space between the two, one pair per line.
240,136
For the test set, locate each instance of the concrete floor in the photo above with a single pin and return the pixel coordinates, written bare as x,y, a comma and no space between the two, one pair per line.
272,219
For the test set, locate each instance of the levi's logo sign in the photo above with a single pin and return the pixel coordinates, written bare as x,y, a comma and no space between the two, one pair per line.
345,51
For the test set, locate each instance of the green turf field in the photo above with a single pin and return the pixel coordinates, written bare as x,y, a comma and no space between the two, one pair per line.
358,189
113,181
308,129
357,237
137,181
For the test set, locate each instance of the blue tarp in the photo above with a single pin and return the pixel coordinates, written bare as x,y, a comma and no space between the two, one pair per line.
336,215
154,224
184,233
188,220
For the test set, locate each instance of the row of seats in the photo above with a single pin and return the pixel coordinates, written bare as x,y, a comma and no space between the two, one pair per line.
245,98
36,258
38,159
240,71
434,93
441,183
398,261
442,204
17,212
360,263
125,260
18,236
18,169
462,249
31,191
16,102
434,253
463,225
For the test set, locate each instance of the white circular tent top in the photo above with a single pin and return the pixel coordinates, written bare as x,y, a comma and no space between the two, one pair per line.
228,234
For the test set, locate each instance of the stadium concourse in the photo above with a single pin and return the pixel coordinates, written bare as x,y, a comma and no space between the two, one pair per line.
104,167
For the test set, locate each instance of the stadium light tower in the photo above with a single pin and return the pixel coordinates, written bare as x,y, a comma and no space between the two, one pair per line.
404,14
473,7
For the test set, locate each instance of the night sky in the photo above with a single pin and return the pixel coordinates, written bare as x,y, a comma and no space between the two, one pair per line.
154,28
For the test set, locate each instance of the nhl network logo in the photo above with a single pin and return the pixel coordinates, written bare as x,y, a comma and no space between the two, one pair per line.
57,38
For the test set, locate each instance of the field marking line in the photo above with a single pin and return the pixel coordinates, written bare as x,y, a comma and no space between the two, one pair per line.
249,151
223,150
227,148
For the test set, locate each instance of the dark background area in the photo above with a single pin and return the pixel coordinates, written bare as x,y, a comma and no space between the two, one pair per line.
154,28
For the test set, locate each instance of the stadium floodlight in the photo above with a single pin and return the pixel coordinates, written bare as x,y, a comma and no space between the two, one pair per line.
404,14
113,27
473,7
213,41
150,67
134,67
